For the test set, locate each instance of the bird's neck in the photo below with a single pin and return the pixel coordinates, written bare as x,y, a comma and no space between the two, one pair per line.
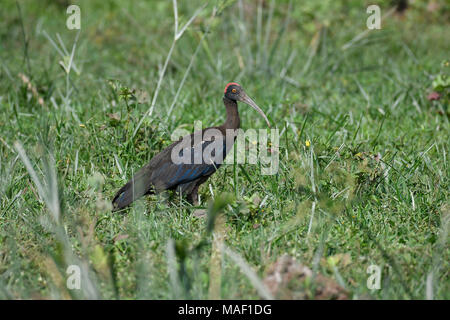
233,121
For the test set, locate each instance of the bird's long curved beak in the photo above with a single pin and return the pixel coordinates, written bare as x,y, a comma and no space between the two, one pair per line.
246,99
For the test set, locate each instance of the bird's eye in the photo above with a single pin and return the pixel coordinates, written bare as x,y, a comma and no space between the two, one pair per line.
233,90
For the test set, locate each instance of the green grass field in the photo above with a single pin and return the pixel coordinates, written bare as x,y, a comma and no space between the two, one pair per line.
363,158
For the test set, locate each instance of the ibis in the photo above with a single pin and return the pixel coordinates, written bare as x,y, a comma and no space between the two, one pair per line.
163,173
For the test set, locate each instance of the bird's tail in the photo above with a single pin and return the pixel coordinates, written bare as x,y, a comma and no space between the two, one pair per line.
132,190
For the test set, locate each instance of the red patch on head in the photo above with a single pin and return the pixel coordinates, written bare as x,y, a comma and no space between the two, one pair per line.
231,83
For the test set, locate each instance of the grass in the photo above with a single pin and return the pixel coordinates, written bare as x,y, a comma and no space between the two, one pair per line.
363,175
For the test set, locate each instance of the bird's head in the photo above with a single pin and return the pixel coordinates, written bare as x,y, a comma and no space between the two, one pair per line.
234,92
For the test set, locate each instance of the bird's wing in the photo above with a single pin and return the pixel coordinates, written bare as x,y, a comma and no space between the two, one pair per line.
189,162
182,162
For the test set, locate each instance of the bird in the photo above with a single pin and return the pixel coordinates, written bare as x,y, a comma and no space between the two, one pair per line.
163,173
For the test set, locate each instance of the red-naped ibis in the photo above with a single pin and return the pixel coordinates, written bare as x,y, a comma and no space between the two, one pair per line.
162,173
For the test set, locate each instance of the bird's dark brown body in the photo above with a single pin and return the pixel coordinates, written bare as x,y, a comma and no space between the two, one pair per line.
162,173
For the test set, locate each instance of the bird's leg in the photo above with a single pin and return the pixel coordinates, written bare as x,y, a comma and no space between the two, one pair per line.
190,191
192,197
185,190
